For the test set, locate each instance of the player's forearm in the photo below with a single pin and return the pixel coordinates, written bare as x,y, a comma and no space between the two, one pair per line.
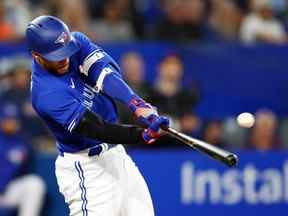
116,88
93,127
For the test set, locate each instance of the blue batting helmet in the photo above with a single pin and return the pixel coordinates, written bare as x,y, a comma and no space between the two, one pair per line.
51,38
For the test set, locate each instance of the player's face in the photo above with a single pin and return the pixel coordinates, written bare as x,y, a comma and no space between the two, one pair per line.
57,67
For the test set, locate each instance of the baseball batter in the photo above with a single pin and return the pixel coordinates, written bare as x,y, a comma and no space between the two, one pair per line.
74,85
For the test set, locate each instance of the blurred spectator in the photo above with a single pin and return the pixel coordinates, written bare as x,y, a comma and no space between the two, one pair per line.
212,133
225,19
134,14
283,132
133,69
279,7
190,124
19,94
18,188
260,25
7,30
233,135
19,14
3,84
73,12
183,21
171,98
264,134
132,10
113,26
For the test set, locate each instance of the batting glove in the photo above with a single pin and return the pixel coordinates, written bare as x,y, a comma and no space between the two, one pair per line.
153,132
144,111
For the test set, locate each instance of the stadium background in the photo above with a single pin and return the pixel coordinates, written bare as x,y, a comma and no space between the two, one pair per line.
195,50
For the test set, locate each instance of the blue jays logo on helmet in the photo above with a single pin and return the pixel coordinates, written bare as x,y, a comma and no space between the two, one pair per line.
63,38
51,38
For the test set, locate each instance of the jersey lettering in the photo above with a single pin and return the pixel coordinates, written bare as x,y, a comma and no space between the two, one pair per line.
89,95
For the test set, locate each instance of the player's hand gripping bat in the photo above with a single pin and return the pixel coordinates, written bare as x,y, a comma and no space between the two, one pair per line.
217,153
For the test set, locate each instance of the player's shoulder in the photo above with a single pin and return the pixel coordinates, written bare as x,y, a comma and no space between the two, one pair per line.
80,36
83,39
87,46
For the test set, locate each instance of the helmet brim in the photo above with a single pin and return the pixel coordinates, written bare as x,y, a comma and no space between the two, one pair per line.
65,52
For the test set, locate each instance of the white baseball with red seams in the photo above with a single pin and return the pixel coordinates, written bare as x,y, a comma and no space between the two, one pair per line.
94,184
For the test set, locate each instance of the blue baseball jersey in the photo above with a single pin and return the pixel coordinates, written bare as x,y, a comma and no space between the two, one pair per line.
62,100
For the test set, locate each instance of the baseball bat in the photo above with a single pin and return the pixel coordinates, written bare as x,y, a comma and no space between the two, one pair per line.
216,153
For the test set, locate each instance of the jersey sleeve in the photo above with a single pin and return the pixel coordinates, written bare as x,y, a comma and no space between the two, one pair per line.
101,71
94,62
62,108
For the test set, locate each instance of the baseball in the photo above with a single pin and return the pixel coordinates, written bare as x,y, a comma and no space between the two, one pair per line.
246,120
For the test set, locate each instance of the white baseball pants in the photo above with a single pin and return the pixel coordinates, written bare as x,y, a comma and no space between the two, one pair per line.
106,185
25,193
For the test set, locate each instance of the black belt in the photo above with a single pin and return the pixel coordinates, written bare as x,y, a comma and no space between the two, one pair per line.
94,151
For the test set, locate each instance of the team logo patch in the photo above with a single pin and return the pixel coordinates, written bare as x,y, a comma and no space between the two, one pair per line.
63,38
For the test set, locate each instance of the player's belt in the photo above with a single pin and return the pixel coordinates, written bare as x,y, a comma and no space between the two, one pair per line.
93,151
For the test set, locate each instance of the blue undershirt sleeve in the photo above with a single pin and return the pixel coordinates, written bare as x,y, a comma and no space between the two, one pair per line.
116,87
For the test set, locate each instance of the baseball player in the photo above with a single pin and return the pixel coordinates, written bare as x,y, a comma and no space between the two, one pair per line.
74,85
19,188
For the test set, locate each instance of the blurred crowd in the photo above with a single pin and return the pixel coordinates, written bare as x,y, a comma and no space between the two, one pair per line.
180,21
172,20
167,93
177,21
172,99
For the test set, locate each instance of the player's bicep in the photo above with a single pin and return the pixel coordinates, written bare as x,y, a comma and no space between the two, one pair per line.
93,59
96,66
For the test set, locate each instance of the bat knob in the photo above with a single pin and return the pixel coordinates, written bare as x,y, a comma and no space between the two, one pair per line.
232,160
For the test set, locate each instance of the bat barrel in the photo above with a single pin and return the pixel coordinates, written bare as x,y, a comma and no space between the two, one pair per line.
219,154
232,160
